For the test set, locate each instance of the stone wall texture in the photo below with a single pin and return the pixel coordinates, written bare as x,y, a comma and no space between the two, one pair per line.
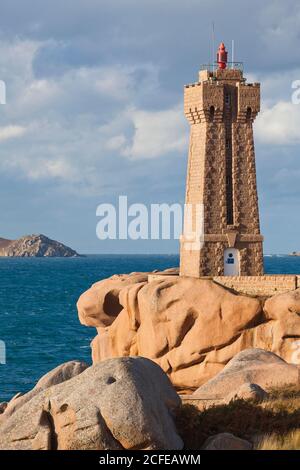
221,174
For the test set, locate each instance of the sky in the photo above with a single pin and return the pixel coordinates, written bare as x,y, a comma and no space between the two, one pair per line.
95,110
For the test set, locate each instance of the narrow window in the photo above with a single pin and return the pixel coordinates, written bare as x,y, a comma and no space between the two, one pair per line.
249,114
211,113
227,99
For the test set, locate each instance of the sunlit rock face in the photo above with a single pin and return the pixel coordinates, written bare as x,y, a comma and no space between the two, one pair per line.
34,246
191,327
122,403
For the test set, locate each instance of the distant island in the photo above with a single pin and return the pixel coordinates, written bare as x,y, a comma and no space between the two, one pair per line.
294,253
35,246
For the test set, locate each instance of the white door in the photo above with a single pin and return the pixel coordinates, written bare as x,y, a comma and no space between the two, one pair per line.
231,262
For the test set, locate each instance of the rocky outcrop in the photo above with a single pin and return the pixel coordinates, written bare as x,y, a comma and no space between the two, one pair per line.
34,246
191,327
124,403
100,305
4,243
247,391
3,406
282,314
251,365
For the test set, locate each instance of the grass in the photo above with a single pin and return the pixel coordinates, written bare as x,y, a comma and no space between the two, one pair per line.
274,423
289,392
290,441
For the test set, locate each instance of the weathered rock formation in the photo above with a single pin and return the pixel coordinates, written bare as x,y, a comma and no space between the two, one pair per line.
251,365
124,403
190,327
226,441
247,391
34,245
60,374
3,406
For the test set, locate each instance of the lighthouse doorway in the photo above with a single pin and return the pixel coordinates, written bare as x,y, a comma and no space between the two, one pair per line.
231,262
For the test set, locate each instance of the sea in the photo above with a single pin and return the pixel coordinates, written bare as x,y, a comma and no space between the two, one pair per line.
39,326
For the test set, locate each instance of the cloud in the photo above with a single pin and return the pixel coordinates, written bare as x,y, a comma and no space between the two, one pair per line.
279,124
58,168
96,90
116,142
11,132
157,133
70,127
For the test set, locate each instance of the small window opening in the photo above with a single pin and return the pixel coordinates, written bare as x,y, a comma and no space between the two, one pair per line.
249,114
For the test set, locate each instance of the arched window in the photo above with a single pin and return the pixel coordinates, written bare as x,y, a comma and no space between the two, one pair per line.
211,113
249,114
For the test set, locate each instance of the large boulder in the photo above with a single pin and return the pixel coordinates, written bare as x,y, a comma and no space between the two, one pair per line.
183,324
124,403
251,365
282,313
60,374
3,406
99,306
248,391
191,327
226,441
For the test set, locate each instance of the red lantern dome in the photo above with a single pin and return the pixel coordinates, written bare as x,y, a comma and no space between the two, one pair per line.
222,56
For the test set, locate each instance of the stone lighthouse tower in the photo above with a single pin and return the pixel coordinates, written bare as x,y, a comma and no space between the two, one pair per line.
221,175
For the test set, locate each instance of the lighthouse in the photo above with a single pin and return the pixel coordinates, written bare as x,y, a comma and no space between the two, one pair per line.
221,175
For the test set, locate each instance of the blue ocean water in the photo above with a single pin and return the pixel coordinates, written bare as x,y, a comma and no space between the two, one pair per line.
38,317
